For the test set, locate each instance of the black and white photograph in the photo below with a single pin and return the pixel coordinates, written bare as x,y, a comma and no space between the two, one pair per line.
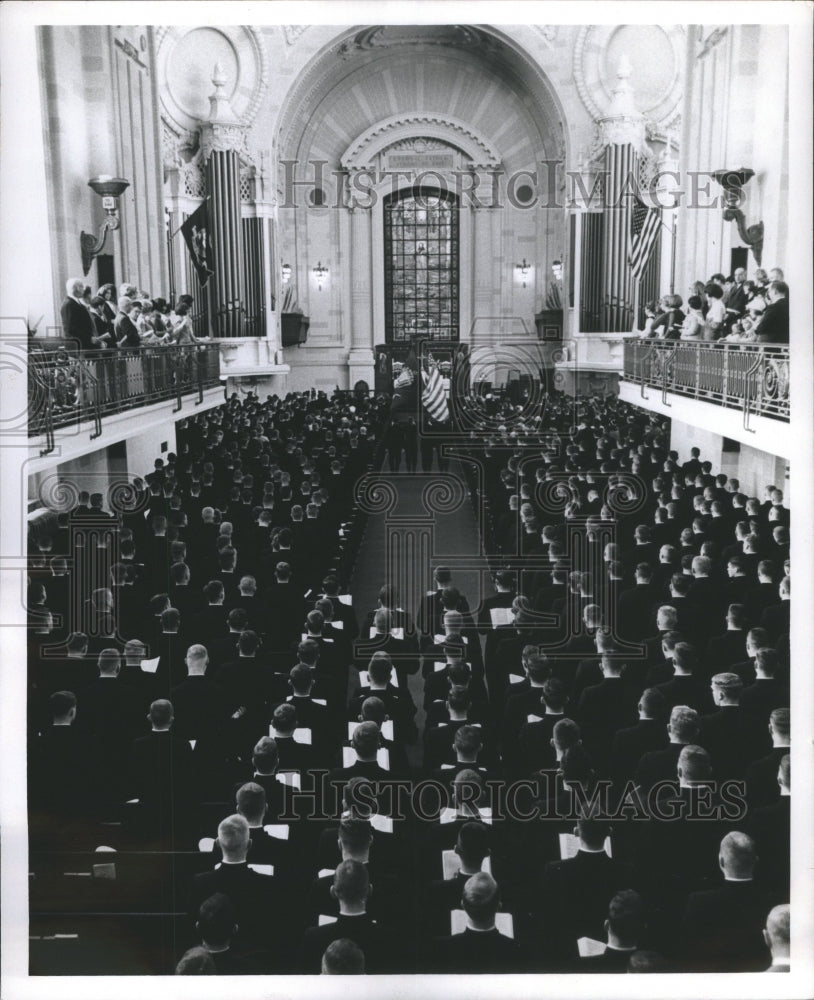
406,433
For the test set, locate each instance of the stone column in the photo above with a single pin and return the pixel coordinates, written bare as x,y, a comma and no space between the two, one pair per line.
221,137
360,356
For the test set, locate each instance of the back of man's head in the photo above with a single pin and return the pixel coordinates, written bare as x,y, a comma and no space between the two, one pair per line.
537,667
351,884
233,837
251,803
728,687
694,764
780,722
737,855
467,743
355,838
109,662
302,679
284,719
265,755
382,620
472,845
784,772
566,734
380,668
196,962
481,899
592,831
308,652
365,740
626,918
161,714
651,703
554,694
63,704
778,930
343,957
216,921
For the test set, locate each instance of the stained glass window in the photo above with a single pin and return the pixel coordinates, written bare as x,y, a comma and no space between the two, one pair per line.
421,265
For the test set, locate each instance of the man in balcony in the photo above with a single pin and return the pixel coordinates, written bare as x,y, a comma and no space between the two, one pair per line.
77,322
773,327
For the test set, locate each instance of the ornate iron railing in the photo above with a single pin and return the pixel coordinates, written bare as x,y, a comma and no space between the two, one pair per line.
753,378
65,386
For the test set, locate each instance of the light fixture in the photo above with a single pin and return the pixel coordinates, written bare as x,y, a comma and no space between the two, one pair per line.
524,269
286,270
733,182
556,267
320,273
109,189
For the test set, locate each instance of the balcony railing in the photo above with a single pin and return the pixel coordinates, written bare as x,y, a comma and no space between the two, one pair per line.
65,385
753,378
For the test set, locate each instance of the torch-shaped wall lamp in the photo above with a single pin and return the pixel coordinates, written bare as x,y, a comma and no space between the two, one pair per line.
109,189
286,269
524,269
733,182
320,273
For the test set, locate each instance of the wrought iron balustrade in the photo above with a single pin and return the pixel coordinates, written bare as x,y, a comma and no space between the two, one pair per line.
753,378
66,385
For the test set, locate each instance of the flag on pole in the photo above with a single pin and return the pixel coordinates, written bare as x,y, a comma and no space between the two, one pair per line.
644,229
195,231
433,396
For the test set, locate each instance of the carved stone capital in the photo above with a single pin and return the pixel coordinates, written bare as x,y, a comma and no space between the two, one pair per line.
218,137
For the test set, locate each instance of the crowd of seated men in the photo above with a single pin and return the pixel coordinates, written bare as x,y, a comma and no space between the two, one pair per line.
730,309
602,782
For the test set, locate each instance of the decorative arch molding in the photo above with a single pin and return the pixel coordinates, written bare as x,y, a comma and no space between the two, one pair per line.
319,75
362,152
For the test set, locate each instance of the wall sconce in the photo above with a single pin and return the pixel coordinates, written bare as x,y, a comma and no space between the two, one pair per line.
320,273
733,181
556,267
286,271
109,189
524,269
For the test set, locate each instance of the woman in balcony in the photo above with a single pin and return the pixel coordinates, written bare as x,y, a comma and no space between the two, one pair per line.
107,293
716,312
667,326
693,326
129,342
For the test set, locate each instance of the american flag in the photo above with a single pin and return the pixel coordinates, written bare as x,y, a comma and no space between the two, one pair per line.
644,229
433,396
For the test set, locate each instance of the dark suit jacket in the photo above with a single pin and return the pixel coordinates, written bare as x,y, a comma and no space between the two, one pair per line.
611,960
773,327
686,689
252,896
770,826
633,611
578,892
77,324
763,697
722,929
658,765
775,619
733,739
161,766
198,706
724,650
762,788
604,708
630,745
381,957
477,952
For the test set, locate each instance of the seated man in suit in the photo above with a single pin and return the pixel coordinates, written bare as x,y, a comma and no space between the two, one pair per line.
534,749
216,926
251,893
312,713
767,692
351,889
373,709
578,890
481,948
61,772
523,698
624,928
724,650
403,652
777,935
355,842
761,775
197,701
770,826
466,744
631,744
380,674
365,744
685,687
775,618
162,771
292,756
660,765
605,707
733,737
250,802
443,895
343,958
723,926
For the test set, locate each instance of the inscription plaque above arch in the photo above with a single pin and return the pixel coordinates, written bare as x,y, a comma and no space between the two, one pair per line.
363,151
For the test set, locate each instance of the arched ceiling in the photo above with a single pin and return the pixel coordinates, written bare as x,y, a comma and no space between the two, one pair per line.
373,74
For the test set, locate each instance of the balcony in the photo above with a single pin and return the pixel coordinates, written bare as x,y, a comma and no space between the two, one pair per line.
752,378
66,386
